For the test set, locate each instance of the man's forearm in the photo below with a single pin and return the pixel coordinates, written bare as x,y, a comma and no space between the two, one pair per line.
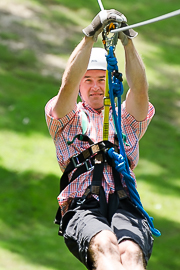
76,67
77,63
137,96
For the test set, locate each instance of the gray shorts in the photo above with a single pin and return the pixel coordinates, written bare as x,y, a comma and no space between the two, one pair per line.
80,225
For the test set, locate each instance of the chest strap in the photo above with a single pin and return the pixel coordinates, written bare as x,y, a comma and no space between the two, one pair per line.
83,162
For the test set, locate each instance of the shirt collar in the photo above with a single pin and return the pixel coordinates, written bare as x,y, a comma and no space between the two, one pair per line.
89,108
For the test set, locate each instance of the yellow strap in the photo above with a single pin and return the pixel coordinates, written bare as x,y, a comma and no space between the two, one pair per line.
107,104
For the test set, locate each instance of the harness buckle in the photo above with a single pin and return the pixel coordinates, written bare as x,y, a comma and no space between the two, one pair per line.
88,164
80,201
107,101
75,161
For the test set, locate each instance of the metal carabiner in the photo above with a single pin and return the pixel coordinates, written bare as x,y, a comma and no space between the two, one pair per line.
109,38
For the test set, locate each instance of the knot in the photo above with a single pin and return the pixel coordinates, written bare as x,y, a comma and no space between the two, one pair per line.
111,61
120,167
119,160
118,75
114,155
117,87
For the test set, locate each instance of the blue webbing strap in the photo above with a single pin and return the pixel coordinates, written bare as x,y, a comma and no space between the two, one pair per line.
121,161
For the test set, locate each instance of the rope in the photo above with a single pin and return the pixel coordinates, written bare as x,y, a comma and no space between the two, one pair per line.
121,161
116,90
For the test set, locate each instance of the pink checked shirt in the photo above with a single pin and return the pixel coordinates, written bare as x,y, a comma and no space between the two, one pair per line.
64,129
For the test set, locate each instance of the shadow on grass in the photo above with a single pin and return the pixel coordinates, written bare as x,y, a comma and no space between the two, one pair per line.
166,247
22,106
26,218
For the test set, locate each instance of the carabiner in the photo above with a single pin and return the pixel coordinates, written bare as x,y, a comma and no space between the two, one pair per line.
110,39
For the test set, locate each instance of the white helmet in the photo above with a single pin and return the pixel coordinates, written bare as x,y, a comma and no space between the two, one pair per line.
97,59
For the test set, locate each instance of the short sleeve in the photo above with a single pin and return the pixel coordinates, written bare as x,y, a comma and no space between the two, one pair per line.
134,131
139,127
55,125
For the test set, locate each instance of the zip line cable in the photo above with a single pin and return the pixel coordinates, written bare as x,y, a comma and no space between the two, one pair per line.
156,19
100,4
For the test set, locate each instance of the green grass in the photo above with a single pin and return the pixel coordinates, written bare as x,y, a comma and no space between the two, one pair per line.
33,51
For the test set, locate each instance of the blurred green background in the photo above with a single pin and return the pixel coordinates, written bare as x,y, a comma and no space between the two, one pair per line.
36,39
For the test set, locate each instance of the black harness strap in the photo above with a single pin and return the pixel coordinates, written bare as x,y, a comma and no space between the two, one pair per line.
94,157
96,184
95,188
119,194
82,162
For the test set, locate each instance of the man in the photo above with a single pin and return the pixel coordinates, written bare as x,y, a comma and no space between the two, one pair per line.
125,240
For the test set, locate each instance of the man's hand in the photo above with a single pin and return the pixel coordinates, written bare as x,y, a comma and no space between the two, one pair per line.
102,19
125,35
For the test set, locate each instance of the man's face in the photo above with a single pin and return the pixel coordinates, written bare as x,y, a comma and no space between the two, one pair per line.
92,88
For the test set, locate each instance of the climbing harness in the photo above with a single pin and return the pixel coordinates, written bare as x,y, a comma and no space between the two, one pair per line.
95,158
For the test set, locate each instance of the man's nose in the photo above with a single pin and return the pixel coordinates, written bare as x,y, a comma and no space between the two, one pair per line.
95,86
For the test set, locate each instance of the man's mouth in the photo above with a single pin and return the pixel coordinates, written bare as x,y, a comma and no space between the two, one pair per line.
96,94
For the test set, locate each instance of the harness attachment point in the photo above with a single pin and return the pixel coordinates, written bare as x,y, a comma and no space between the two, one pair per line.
95,190
122,194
